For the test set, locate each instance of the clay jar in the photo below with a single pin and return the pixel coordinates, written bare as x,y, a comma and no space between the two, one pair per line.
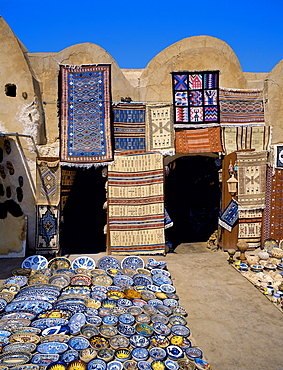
252,259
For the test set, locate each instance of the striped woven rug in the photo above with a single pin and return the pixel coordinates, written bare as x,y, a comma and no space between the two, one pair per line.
136,204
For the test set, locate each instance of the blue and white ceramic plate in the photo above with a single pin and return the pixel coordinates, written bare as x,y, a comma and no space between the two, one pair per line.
132,262
3,304
96,364
20,280
70,355
5,333
108,262
78,343
154,288
161,279
114,365
52,347
48,322
171,365
83,262
160,318
149,309
76,322
181,330
179,310
94,320
138,340
170,302
74,307
35,306
160,271
193,353
161,329
15,358
125,329
44,359
35,262
124,302
123,280
140,354
165,310
177,320
110,320
134,310
144,365
126,318
167,288
174,352
142,280
154,302
157,353
64,329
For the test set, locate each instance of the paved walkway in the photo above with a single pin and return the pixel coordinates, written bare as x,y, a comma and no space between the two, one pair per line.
234,324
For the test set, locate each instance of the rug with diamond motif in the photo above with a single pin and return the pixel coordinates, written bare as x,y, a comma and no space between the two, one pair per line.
250,227
85,114
48,178
136,204
47,238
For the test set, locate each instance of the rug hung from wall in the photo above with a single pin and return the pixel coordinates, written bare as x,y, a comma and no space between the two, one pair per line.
129,126
241,107
230,216
159,128
252,179
47,230
205,140
196,99
48,178
136,204
68,176
250,224
85,114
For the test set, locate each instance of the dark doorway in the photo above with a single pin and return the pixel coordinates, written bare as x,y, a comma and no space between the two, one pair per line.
192,198
83,216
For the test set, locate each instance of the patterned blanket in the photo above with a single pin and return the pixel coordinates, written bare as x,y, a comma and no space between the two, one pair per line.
47,230
129,127
136,204
85,114
230,216
250,225
196,99
48,177
204,140
241,107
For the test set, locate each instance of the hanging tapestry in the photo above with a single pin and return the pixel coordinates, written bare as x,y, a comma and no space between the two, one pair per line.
278,156
252,179
167,219
85,114
241,138
204,140
160,130
67,179
48,176
241,107
250,223
47,230
129,126
196,99
273,212
136,204
230,216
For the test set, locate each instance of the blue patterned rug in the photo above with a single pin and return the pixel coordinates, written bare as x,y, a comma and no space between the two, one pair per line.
230,216
47,230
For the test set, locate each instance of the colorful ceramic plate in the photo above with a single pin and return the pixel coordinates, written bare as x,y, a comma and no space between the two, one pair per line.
138,340
35,262
83,262
132,262
44,359
157,353
181,330
144,365
89,330
119,341
161,329
24,338
140,354
55,338
159,341
11,359
97,342
20,280
108,331
174,352
70,355
179,310
78,342
52,347
26,329
142,280
59,263
108,262
193,353
159,317
165,310
102,280
80,280
96,364
125,329
177,320
144,329
123,280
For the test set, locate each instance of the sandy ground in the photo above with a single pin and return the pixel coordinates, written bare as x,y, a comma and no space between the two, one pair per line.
231,321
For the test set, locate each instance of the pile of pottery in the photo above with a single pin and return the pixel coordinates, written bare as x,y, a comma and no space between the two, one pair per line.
265,270
83,315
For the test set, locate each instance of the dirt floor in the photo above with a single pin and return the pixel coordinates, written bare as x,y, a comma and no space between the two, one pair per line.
231,321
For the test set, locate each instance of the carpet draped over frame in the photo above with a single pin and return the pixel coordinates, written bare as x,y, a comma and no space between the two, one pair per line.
136,204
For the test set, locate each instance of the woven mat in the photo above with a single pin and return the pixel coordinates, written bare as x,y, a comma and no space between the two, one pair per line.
85,114
48,177
136,204
240,138
160,130
47,230
196,99
241,107
250,224
205,140
129,127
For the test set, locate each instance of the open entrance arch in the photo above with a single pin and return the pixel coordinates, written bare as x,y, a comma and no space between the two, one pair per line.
192,198
83,217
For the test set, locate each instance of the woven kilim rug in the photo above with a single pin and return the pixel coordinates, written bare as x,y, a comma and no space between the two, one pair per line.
47,230
136,204
250,224
129,127
85,114
204,140
67,179
196,99
230,216
267,209
48,176
252,179
240,138
241,107
160,130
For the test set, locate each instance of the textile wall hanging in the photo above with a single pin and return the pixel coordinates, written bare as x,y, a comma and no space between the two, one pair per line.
241,107
85,115
252,179
129,127
240,138
48,177
47,230
196,99
273,212
136,204
205,140
160,130
250,223
278,156
230,216
67,180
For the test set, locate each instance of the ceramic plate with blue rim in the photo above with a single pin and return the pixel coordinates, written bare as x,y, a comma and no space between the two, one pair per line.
165,310
48,322
71,306
144,329
20,280
94,320
5,333
96,364
44,359
154,288
61,329
174,352
70,355
160,318
161,328
76,322
144,365
35,306
35,262
108,262
154,302
171,365
124,302
157,353
177,320
167,288
142,280
3,304
114,365
160,271
123,280
181,330
108,331
193,353
110,320
119,341
84,262
140,354
161,279
170,302
132,262
14,358
149,309
78,342
125,329
126,318
52,347
138,340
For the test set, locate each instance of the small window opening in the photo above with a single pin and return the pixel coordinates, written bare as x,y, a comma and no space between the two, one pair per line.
11,90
